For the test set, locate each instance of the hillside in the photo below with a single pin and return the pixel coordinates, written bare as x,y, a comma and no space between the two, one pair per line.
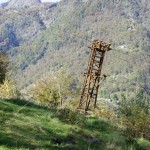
44,38
22,3
27,126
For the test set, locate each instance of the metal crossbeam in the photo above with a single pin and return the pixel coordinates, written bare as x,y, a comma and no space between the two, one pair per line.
93,76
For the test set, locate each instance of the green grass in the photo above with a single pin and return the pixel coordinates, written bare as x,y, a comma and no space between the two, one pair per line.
24,125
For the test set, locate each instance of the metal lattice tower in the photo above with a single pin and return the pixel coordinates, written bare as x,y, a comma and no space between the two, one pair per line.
93,76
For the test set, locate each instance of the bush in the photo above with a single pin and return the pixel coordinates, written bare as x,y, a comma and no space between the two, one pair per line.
105,110
135,117
105,113
8,90
7,87
54,89
45,93
143,144
70,116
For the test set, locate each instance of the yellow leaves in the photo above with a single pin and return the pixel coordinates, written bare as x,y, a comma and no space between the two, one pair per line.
45,92
8,89
55,88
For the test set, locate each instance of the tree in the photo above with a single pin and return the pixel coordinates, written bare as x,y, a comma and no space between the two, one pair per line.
134,114
7,86
3,66
54,89
65,84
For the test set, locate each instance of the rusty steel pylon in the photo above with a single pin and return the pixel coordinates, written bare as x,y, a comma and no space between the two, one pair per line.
93,77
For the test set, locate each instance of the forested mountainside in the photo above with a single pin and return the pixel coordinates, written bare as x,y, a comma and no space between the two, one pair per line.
22,3
42,38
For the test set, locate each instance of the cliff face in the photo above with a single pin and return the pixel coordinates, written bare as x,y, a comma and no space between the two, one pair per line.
23,3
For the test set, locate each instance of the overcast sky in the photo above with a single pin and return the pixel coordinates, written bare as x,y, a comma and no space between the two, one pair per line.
1,1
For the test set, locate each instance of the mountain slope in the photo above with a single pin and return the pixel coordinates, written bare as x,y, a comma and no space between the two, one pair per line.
63,31
27,126
22,3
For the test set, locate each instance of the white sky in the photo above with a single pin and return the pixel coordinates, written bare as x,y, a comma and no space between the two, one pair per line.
1,1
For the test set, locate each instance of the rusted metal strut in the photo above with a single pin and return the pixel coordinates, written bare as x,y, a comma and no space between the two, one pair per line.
93,76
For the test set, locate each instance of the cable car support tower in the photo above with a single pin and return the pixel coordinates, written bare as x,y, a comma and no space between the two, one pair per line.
93,77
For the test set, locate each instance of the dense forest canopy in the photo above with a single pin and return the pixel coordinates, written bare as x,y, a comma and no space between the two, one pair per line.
44,37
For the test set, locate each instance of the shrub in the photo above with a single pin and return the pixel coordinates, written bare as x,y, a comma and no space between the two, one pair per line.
45,93
105,113
54,89
8,90
70,116
143,144
105,110
135,117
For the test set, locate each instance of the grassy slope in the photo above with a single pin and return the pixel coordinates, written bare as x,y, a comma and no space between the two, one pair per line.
27,126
